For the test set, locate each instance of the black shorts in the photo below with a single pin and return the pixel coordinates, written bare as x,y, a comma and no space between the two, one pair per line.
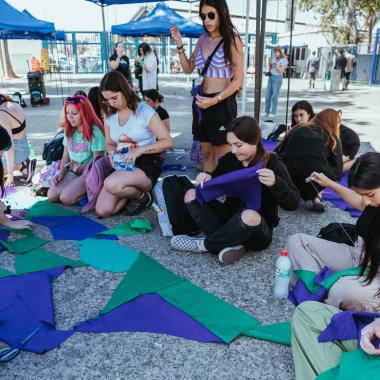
213,127
150,164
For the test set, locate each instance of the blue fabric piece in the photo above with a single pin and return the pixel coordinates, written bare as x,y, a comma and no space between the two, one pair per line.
4,234
243,184
80,228
348,325
26,303
52,221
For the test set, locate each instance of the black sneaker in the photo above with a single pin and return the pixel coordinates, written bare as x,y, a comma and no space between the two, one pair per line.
135,206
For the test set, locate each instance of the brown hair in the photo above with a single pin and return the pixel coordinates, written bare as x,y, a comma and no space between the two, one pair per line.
279,50
247,129
5,98
116,82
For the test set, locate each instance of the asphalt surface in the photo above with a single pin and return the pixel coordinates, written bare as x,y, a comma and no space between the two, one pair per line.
248,284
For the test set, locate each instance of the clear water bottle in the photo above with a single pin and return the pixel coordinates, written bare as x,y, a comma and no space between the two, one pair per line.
32,154
283,264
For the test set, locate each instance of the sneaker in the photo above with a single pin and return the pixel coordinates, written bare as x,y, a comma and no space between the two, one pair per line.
135,206
229,255
318,206
188,243
272,115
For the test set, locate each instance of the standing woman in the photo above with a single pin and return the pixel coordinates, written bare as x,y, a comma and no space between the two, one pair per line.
154,99
149,68
135,123
276,72
12,118
216,106
120,62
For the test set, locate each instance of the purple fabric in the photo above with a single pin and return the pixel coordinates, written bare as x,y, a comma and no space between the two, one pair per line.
243,184
4,234
25,304
269,145
197,91
8,191
80,228
333,197
149,313
348,325
301,294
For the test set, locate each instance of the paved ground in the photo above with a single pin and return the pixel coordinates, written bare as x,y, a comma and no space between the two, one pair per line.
81,293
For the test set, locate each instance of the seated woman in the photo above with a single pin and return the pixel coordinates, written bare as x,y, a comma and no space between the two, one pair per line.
12,118
311,253
154,99
5,145
302,112
230,227
83,142
311,357
313,146
147,137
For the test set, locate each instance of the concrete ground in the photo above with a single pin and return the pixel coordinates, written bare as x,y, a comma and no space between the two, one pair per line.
81,293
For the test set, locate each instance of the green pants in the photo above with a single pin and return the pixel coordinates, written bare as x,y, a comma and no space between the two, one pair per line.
311,357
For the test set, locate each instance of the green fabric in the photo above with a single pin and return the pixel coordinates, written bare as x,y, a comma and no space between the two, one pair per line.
40,259
132,227
221,318
25,244
354,365
277,332
46,208
330,281
307,277
5,273
25,231
107,255
80,149
145,276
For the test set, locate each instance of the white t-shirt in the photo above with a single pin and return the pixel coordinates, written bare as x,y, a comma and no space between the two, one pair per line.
136,127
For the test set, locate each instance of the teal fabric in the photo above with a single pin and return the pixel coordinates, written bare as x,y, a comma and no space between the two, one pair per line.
25,244
276,332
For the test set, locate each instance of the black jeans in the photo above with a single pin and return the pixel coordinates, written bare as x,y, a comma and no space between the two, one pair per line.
224,227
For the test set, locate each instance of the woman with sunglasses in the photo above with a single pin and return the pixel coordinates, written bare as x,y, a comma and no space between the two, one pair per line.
143,135
215,106
83,141
5,146
12,118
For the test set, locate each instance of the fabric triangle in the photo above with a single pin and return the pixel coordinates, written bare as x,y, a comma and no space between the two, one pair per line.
40,259
132,227
46,208
276,332
25,244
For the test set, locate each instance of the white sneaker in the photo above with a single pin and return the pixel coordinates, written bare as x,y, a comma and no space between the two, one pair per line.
229,255
272,115
188,243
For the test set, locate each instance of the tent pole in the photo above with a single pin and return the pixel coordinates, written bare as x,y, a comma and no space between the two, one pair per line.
245,65
257,65
105,35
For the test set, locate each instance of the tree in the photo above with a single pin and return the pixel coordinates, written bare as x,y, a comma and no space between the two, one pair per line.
8,63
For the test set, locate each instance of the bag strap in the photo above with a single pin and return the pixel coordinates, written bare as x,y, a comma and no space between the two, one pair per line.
14,117
209,59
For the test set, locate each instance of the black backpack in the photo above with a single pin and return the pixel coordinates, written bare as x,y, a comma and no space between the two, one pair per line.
339,233
174,189
274,135
17,97
53,150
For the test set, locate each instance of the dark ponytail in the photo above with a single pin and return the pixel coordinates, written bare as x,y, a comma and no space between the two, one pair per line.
365,175
153,95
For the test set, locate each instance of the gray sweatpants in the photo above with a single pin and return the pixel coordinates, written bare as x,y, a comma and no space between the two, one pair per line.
348,293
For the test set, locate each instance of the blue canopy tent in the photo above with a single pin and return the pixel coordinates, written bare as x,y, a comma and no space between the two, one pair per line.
18,25
157,23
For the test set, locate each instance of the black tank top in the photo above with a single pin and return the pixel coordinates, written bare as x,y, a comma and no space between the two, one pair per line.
18,129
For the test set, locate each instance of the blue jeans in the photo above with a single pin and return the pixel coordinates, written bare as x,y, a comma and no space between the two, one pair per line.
273,90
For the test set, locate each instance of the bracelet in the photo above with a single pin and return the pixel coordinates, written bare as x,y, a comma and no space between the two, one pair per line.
182,51
179,47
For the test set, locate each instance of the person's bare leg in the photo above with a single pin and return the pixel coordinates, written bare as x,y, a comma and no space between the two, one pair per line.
221,150
55,191
73,192
107,204
208,152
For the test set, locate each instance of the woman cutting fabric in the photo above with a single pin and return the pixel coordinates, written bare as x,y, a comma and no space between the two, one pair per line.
215,105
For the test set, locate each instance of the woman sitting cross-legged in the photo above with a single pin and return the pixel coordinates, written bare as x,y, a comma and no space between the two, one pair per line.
311,253
231,227
83,141
133,126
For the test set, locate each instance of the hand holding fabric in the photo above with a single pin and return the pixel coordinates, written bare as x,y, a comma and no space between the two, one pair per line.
369,333
202,178
266,177
203,102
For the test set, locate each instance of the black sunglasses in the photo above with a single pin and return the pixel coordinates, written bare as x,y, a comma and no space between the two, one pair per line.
74,99
209,15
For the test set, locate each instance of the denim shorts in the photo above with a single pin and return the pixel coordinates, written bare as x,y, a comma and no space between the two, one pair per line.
21,148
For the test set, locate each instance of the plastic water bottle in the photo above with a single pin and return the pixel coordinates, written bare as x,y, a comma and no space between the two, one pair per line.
32,154
283,264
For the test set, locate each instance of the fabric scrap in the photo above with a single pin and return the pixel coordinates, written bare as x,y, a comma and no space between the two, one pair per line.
46,208
40,259
107,255
25,244
132,227
5,273
4,234
276,332
52,221
149,313
26,303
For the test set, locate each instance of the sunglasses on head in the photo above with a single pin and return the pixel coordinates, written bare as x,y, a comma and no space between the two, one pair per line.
209,15
74,99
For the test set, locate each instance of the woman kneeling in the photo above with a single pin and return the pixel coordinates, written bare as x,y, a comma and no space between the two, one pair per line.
230,227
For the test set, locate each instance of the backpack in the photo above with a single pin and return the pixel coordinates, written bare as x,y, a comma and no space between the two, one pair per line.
174,189
344,233
17,97
53,150
277,132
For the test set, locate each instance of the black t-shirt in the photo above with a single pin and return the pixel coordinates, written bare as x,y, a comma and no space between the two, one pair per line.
124,66
340,62
350,141
283,193
162,113
368,224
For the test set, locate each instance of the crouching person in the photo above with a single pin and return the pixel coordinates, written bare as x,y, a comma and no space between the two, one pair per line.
231,227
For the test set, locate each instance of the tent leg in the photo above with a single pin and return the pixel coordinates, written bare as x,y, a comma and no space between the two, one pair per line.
105,36
245,65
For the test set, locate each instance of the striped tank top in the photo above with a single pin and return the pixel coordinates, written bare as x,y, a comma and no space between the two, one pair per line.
218,67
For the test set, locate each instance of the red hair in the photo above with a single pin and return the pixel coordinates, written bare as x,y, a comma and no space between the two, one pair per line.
87,114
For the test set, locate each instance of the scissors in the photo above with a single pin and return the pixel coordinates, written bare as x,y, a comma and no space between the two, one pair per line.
9,353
